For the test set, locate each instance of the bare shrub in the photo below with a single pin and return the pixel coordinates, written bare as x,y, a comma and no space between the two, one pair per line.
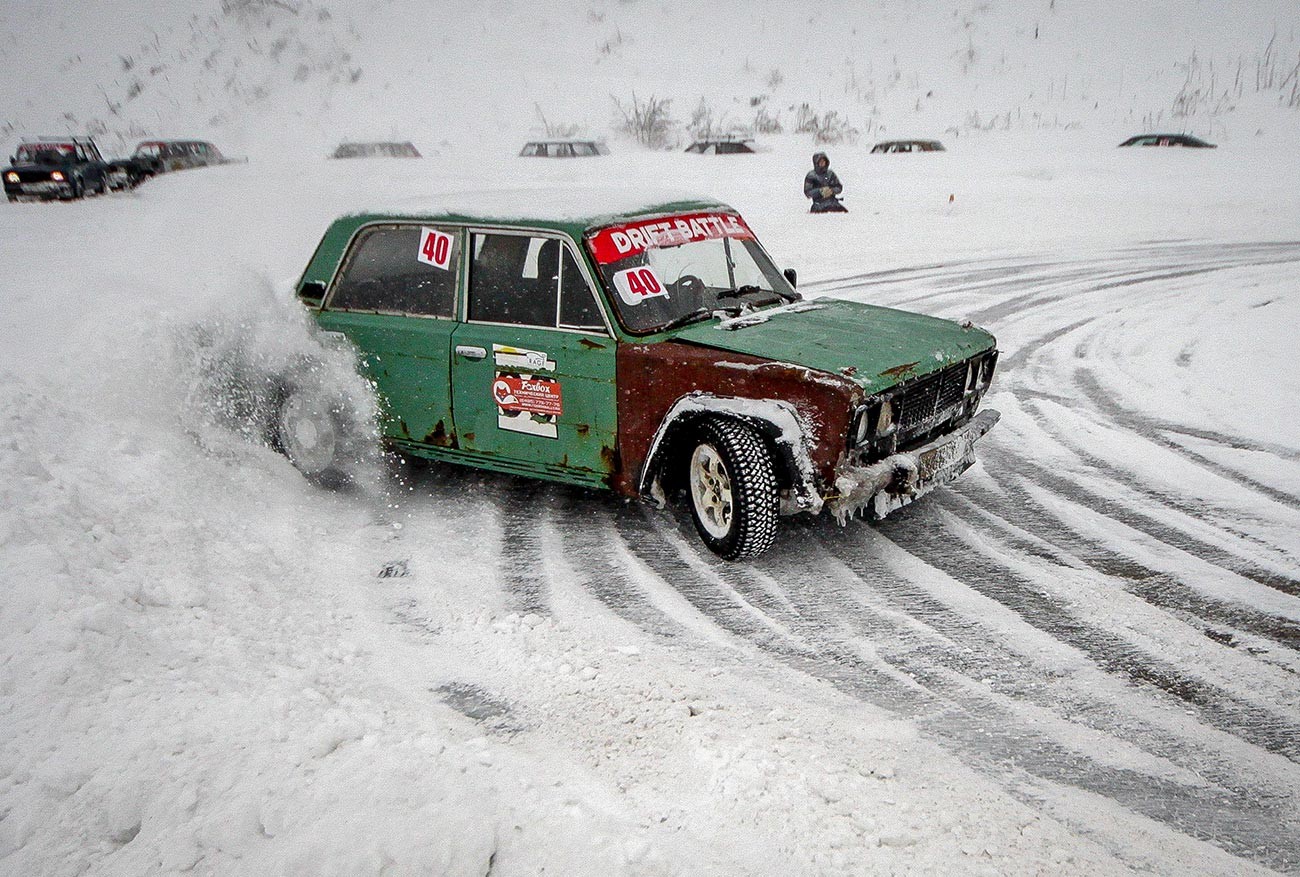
828,127
648,121
555,130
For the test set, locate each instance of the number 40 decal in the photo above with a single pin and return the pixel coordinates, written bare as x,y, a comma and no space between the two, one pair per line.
435,248
635,285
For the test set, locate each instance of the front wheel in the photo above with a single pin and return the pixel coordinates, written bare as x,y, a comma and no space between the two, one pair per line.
731,482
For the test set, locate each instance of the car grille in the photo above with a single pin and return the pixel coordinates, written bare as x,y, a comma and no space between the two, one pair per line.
917,407
34,176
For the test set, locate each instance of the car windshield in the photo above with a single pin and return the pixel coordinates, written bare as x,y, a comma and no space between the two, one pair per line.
46,153
667,272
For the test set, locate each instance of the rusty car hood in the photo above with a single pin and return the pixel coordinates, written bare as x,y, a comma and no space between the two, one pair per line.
875,347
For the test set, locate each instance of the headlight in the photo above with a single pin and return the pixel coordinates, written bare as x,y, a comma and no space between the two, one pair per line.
57,176
885,419
11,177
862,426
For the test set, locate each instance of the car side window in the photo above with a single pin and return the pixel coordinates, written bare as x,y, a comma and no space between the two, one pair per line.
400,269
512,279
523,280
578,309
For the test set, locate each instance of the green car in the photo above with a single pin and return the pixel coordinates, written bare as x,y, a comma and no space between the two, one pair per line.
647,347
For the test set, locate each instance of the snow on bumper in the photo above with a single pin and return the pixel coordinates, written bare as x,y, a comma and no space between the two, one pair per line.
897,480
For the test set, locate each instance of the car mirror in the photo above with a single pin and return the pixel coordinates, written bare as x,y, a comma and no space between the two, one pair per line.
313,290
792,276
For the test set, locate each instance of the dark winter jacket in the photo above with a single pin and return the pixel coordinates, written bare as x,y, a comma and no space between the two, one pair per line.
816,180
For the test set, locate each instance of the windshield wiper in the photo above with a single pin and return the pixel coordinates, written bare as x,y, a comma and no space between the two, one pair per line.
692,316
739,291
750,288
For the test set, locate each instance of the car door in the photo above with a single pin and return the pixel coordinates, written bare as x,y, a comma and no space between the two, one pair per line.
533,363
394,298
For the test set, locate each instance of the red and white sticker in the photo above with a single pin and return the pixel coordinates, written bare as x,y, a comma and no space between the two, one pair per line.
533,395
635,285
620,241
435,248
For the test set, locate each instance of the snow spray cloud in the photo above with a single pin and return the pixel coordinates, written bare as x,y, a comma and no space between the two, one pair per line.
235,361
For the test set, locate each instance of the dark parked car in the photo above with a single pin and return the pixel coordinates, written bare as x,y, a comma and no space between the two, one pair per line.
722,147
63,168
647,347
175,155
908,146
563,149
377,149
1168,140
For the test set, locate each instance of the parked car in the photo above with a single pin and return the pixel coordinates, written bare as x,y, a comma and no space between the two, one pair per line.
563,149
724,146
160,156
376,149
908,146
1168,140
647,347
63,168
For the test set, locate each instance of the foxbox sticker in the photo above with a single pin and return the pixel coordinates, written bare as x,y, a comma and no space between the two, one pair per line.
435,248
635,285
527,403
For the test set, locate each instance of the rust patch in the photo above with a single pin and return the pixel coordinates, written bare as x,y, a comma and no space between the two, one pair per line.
440,436
899,371
401,424
582,429
608,459
469,437
652,377
591,345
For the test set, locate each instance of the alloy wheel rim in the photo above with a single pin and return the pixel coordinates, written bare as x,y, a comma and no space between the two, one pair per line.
711,491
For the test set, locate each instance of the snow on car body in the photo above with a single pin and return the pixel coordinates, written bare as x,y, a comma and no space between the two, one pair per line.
645,346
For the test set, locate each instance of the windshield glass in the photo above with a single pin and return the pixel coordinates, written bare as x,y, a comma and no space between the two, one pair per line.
670,271
45,153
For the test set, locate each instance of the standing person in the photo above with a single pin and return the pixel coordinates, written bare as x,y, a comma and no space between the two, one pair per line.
823,187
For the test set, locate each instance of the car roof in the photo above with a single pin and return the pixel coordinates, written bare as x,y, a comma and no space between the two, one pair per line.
571,209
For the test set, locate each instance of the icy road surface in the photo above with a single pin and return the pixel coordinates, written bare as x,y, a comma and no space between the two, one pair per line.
1083,657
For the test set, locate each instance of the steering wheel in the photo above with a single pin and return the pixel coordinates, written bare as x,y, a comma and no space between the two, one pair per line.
689,287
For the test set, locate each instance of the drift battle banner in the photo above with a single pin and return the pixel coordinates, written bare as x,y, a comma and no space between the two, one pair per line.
620,241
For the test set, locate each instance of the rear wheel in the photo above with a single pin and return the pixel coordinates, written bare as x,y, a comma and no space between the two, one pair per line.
312,430
731,483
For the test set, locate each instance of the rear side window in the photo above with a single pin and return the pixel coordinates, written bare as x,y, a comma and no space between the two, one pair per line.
400,269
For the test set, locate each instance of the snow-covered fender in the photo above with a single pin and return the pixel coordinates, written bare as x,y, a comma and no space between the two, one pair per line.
775,419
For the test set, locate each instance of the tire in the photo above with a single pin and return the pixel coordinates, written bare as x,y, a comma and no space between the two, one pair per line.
313,431
732,490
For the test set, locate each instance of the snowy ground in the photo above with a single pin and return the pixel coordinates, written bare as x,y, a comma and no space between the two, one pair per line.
1082,658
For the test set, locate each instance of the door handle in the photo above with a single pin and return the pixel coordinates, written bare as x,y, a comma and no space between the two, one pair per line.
470,352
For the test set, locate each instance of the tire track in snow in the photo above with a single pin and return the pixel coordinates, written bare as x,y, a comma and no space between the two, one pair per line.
521,504
1015,509
821,607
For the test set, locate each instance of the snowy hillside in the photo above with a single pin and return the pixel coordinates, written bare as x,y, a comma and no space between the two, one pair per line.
1080,659
263,76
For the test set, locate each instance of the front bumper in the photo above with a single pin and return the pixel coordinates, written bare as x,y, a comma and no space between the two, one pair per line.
891,483
38,190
